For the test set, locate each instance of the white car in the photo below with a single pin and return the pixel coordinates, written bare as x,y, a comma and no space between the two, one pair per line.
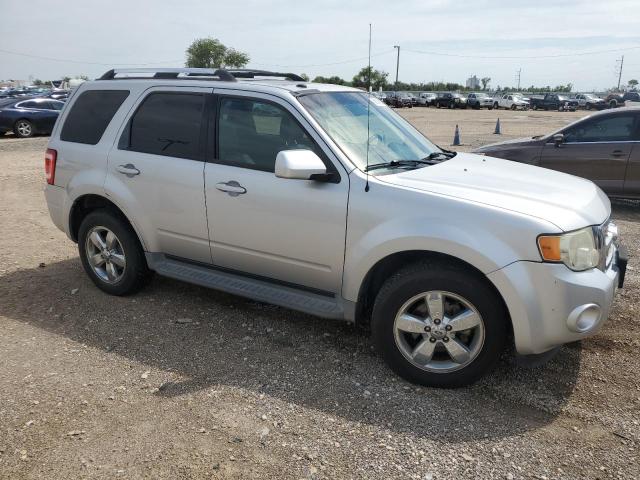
511,101
322,199
427,99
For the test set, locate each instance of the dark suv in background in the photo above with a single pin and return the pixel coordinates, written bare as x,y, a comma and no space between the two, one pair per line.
399,100
615,100
451,100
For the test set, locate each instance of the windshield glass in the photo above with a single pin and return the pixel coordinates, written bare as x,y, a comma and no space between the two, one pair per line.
343,115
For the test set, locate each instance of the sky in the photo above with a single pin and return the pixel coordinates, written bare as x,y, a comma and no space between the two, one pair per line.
440,40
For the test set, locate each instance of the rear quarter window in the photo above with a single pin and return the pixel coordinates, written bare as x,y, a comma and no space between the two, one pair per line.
90,115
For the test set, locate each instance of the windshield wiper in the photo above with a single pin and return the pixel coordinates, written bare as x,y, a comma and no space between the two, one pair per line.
403,163
444,153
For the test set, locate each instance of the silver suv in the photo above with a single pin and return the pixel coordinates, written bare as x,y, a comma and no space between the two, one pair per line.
321,199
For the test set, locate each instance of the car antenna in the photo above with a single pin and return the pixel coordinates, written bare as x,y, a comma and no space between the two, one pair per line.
366,187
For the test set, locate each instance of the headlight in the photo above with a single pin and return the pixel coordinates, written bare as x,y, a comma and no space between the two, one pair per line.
577,250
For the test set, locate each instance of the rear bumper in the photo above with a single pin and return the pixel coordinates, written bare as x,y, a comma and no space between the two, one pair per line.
55,197
551,305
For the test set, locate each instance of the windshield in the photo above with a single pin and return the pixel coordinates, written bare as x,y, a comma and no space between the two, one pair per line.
343,115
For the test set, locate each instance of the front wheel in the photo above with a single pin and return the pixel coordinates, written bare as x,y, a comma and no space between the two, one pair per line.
439,325
111,253
513,106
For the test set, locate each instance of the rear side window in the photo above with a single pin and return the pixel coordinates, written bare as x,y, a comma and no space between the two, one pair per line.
91,114
170,124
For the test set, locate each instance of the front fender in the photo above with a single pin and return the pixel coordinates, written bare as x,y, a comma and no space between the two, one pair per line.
393,220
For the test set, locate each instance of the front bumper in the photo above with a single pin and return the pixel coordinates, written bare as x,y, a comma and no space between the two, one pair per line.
551,305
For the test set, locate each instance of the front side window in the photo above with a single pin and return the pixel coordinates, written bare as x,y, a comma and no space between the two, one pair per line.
343,115
28,105
169,124
251,133
611,129
90,115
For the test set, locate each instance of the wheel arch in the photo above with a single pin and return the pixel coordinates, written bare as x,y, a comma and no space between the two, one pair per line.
85,204
385,267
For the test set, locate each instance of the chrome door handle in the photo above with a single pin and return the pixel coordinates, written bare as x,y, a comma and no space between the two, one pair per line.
129,169
231,187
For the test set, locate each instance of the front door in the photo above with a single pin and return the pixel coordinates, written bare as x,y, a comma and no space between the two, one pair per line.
597,148
157,171
275,228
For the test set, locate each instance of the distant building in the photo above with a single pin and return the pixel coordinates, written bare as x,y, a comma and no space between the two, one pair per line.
473,83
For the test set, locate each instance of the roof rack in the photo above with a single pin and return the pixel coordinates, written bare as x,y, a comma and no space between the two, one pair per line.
250,73
221,74
169,73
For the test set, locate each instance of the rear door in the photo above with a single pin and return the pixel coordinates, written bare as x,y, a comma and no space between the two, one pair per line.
597,148
156,170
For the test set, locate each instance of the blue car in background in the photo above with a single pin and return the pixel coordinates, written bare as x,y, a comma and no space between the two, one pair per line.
28,116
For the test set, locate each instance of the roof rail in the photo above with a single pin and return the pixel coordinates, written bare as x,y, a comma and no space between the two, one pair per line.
169,73
250,73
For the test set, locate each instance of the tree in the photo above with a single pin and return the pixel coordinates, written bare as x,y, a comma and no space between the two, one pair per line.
305,77
485,82
633,83
210,53
335,80
378,78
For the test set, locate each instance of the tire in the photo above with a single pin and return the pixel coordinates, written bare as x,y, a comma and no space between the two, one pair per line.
455,282
452,105
613,104
533,107
587,106
23,128
438,105
134,274
496,106
490,108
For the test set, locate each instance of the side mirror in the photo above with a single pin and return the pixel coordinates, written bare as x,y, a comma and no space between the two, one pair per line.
300,165
558,139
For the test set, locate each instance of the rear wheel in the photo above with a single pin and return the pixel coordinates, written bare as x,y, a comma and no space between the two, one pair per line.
23,128
513,106
111,253
495,105
613,104
439,325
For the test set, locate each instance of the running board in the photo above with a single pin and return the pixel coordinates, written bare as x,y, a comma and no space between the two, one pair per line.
255,289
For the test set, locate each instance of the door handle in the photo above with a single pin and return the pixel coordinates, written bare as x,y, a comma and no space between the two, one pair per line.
617,153
129,170
231,187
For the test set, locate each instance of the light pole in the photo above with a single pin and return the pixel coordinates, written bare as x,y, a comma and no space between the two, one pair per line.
397,65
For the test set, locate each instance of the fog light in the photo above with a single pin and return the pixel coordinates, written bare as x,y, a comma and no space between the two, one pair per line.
584,318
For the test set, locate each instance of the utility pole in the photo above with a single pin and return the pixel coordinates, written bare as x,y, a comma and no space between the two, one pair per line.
620,71
397,64
518,77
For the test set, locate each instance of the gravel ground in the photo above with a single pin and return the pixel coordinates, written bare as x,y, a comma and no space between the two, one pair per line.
183,382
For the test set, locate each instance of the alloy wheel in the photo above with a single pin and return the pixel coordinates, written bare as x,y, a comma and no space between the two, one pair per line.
105,254
439,331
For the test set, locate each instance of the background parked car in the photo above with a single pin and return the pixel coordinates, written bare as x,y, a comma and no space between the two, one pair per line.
451,100
554,101
480,100
615,100
589,101
399,100
61,94
413,98
427,99
29,116
599,147
511,101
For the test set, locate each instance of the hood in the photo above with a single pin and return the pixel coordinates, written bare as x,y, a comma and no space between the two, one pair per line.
566,201
509,143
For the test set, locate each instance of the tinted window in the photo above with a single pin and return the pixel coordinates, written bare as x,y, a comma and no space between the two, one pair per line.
168,124
28,105
91,114
609,129
251,133
56,105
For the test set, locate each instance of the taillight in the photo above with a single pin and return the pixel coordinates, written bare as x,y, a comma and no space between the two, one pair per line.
50,165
